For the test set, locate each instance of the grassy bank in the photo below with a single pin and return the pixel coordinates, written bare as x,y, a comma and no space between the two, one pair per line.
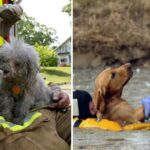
111,32
56,74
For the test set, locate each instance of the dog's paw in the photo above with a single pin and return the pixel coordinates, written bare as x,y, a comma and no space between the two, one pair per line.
98,119
99,116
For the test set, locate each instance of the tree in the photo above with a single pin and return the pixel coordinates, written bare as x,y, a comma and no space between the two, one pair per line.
33,32
48,57
67,8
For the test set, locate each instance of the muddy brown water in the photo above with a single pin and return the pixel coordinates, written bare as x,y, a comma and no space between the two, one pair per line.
95,139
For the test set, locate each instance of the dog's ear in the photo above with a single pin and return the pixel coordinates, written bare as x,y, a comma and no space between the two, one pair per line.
98,99
32,70
33,67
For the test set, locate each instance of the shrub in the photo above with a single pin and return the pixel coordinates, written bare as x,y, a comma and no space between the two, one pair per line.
48,57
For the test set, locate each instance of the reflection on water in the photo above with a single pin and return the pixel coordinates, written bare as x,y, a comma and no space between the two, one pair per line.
93,139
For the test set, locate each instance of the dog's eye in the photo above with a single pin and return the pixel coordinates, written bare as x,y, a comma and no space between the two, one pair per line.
113,74
17,64
4,60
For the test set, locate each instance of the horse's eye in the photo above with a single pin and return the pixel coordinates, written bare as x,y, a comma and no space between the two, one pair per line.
113,74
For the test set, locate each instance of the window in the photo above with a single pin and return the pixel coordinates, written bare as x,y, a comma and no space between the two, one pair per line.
63,60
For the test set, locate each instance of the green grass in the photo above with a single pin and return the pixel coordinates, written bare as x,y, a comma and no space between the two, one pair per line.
56,74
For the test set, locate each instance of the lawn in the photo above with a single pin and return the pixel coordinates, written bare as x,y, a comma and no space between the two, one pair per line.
56,74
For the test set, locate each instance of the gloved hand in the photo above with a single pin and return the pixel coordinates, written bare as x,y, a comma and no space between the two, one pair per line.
63,101
146,105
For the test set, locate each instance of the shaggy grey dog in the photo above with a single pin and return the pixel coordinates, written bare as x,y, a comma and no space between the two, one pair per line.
21,86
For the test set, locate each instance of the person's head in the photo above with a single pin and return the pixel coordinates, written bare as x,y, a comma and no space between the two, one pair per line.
85,104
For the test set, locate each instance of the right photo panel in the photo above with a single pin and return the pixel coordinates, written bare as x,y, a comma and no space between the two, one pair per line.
111,67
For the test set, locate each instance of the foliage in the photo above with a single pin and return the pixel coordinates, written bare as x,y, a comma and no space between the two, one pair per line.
67,8
33,32
48,57
56,74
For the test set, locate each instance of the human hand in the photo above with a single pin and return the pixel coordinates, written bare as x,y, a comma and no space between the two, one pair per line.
63,102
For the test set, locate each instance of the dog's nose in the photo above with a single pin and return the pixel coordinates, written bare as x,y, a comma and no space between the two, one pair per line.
128,65
129,68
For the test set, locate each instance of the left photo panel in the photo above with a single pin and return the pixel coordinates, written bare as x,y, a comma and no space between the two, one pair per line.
35,74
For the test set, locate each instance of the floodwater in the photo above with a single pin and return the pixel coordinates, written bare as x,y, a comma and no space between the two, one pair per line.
95,139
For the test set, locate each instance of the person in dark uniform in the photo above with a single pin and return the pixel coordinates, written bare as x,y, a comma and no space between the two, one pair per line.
85,105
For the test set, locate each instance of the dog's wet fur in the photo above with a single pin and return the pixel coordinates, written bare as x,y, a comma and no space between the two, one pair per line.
107,96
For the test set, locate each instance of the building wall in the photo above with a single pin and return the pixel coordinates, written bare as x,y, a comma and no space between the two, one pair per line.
65,47
64,56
